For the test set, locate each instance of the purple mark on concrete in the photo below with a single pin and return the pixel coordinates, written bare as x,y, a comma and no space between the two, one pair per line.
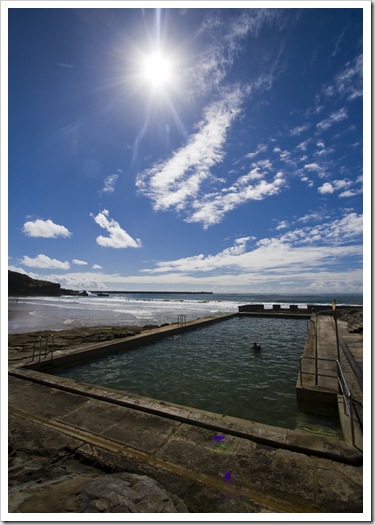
218,438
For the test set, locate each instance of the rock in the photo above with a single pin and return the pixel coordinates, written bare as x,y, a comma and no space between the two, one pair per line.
150,326
128,493
61,483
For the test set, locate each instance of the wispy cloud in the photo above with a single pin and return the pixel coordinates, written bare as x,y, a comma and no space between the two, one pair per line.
282,225
298,130
186,181
43,261
211,208
79,262
109,183
47,229
223,39
336,116
65,65
338,232
175,182
295,252
118,238
348,82
260,149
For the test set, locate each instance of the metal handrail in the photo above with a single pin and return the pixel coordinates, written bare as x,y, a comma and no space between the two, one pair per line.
316,373
343,387
347,396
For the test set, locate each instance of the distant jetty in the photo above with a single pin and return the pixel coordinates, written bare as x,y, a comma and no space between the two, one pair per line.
147,291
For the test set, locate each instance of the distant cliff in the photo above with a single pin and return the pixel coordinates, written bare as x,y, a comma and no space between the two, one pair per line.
22,284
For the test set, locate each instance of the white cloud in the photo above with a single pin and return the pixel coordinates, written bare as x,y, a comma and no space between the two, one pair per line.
118,238
334,117
260,149
290,252
43,261
312,216
338,232
109,183
79,262
222,41
313,166
282,225
97,267
299,129
177,181
212,207
303,145
303,259
47,229
185,181
293,278
337,185
350,193
348,82
326,188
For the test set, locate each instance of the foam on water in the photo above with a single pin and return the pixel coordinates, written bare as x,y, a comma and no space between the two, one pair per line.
51,313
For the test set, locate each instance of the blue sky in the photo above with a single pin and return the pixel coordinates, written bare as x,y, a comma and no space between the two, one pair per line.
187,149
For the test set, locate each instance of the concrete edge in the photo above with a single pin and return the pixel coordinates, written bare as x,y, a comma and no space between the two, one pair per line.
299,441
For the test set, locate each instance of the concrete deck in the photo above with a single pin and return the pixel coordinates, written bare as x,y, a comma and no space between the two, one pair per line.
318,380
215,463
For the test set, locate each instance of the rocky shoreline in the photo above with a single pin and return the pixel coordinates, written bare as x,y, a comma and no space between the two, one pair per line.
21,346
61,482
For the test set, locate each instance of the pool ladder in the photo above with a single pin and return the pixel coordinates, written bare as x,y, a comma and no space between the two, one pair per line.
39,347
181,320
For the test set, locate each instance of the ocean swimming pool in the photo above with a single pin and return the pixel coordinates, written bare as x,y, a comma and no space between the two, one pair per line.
214,368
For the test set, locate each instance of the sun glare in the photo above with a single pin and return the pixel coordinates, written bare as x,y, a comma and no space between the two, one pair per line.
157,70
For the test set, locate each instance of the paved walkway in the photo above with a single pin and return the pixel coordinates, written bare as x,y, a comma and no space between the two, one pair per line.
323,349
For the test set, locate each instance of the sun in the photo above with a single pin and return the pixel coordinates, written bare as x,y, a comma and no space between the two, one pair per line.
157,70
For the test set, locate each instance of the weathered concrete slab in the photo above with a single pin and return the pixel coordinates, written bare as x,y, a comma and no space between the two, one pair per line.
181,454
201,450
48,402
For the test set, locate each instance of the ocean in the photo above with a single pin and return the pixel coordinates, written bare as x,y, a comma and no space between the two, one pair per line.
27,314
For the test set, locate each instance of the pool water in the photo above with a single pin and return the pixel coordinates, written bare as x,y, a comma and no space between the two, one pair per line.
214,368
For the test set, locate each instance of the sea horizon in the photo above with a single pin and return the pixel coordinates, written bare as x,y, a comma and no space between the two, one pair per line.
28,313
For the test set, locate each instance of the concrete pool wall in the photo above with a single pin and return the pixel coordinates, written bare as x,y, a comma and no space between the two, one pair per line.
79,356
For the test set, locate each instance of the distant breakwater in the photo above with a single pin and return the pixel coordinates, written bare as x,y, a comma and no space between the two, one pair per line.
144,292
292,308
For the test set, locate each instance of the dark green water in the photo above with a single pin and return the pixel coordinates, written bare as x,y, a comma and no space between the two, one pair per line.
215,369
